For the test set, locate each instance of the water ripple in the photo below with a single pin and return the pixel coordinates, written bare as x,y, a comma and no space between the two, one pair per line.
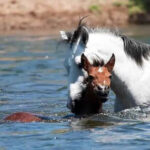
33,80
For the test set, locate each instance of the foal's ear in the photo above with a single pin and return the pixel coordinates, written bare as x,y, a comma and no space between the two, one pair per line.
110,64
85,63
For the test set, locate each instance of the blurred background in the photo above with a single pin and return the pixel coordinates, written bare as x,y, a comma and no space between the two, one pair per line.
51,15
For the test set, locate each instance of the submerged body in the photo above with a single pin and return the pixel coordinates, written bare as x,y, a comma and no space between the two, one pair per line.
131,74
23,117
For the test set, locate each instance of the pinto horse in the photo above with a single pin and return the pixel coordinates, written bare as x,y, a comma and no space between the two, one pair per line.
97,79
130,75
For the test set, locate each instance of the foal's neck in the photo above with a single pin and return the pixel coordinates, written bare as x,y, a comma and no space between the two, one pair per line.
90,104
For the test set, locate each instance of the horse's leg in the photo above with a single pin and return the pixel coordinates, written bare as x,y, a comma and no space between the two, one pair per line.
23,117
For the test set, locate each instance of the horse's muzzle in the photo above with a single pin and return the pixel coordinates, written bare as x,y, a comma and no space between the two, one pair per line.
102,95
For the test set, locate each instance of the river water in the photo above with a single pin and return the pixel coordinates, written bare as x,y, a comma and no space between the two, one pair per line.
33,79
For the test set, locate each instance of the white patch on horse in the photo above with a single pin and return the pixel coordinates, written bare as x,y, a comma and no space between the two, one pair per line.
100,69
102,87
63,35
104,82
75,89
77,60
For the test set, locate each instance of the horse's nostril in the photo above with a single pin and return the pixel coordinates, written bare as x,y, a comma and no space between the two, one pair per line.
102,88
99,88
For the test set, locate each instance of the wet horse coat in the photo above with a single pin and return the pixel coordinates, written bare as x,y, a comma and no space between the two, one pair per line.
131,74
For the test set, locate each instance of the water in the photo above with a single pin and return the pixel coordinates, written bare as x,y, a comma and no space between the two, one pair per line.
33,79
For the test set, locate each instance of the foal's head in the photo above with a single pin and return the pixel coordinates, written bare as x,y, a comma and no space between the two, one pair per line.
97,82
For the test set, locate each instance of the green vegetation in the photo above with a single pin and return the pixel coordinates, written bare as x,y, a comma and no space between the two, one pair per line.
95,8
136,10
117,3
134,6
138,6
120,3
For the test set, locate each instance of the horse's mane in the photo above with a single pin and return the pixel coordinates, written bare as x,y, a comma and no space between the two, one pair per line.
80,31
135,49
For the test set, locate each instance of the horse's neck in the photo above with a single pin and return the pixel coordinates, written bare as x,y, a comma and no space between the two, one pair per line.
130,81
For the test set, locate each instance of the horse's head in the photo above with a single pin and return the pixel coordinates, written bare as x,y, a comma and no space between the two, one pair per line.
76,63
97,81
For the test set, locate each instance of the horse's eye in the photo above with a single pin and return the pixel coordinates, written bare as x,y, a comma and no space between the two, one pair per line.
110,76
90,78
80,65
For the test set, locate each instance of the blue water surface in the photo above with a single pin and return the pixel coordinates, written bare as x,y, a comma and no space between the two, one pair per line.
33,79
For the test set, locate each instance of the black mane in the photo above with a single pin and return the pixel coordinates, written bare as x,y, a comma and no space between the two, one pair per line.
97,63
136,50
82,32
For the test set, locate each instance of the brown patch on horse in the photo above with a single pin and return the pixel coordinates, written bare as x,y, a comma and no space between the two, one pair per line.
23,117
98,85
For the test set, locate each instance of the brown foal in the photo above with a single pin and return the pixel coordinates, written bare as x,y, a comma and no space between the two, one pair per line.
97,82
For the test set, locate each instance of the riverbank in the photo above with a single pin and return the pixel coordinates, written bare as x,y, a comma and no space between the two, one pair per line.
48,16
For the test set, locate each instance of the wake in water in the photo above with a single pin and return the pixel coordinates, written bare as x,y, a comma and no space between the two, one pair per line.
107,118
134,115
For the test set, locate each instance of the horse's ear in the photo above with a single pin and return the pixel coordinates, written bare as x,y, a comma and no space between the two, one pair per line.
110,64
66,36
85,63
85,35
80,33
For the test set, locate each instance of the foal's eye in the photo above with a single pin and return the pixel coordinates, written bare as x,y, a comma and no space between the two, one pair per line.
90,78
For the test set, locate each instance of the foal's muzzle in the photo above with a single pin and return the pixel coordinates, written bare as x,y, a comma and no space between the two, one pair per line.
102,93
